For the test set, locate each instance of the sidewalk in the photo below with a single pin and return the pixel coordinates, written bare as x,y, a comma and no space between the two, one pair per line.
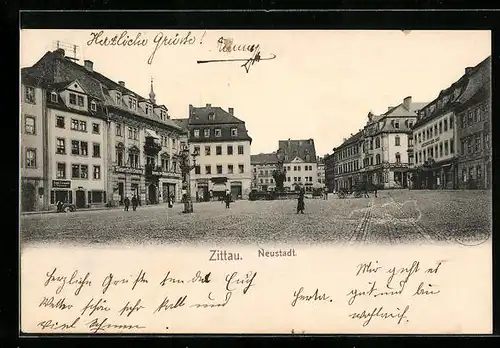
89,209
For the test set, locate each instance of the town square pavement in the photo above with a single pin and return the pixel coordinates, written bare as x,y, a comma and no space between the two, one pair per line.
394,217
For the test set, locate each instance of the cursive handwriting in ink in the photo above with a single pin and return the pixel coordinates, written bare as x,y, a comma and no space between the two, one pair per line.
63,280
368,268
213,305
316,296
355,293
129,309
233,279
414,268
123,39
55,325
50,302
227,45
141,278
166,304
92,306
421,290
109,280
96,325
177,40
378,313
200,278
171,280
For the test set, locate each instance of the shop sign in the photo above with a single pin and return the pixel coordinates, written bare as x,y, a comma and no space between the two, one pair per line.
61,184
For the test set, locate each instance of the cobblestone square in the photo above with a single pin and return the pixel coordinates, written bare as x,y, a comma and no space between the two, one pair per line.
394,217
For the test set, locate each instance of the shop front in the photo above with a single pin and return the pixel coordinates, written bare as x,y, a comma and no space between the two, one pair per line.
236,189
202,193
219,187
61,192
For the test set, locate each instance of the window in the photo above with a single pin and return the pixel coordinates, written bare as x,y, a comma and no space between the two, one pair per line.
477,143
451,122
80,101
29,95
470,118
196,133
75,171
97,172
30,158
119,157
397,141
79,171
132,103
452,146
206,133
463,121
230,149
306,167
197,170
441,127
241,168
61,170
218,150
298,168
135,134
61,146
118,99
218,132
435,130
197,149
377,143
208,169
477,115
431,152
118,130
440,149
486,140
79,125
234,132
445,125
410,141
79,148
419,138
240,149
469,145
430,132
29,125
93,106
219,169
288,179
96,150
95,128
133,159
60,122
207,150
53,97
478,172
396,124
211,116
130,133
230,169
377,159
72,98
446,147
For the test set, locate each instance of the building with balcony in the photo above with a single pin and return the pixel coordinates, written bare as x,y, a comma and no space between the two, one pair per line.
448,157
223,144
97,137
300,164
263,166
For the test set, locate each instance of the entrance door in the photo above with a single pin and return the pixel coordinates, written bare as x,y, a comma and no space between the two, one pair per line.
121,191
29,197
236,191
80,199
165,193
152,194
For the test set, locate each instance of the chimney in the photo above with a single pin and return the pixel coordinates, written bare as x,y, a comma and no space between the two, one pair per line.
468,70
60,52
407,102
231,111
121,83
89,65
209,105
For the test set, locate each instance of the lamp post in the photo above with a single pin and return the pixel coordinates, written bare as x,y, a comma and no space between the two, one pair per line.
279,174
186,168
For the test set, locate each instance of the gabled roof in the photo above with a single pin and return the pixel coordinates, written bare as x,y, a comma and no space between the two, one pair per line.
264,158
298,148
352,139
200,115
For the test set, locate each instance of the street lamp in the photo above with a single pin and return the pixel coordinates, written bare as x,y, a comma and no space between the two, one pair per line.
186,168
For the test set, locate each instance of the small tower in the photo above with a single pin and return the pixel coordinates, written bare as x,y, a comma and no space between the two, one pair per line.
152,95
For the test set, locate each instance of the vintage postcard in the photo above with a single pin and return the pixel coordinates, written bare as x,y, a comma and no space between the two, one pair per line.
203,181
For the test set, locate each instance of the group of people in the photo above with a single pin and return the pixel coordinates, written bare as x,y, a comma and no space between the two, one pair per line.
135,203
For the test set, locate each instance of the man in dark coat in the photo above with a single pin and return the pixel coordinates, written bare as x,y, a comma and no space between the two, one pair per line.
126,202
228,198
300,201
134,203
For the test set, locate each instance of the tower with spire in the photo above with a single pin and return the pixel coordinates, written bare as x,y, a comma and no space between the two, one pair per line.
152,95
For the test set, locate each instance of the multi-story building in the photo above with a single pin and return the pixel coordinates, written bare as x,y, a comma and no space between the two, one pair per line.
300,163
330,166
473,129
263,166
223,145
379,153
100,141
449,134
321,171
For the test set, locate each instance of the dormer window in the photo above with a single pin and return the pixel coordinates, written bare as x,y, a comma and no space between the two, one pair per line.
196,133
93,106
396,124
206,133
77,100
132,103
218,132
118,97
211,116
162,114
234,132
29,95
53,97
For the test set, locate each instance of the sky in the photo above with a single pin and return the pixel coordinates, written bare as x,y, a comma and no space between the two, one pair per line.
320,85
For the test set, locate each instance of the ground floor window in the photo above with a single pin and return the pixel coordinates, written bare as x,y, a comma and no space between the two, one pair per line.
96,196
65,196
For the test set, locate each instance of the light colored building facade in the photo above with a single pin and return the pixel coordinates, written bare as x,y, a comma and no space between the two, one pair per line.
300,164
321,171
330,169
347,159
263,167
224,146
102,142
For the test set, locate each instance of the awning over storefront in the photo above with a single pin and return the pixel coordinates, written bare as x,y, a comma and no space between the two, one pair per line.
219,180
151,133
219,187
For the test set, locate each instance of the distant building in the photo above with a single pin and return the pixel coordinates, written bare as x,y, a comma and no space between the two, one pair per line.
321,171
347,159
300,163
263,166
90,141
330,167
223,145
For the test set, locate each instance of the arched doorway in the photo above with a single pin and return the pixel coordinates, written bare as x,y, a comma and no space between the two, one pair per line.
152,194
28,196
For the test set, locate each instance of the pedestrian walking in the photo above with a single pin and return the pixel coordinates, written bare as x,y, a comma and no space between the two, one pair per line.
171,200
326,194
60,206
300,201
228,199
126,202
134,203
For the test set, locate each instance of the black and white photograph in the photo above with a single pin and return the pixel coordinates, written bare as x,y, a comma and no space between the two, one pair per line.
227,159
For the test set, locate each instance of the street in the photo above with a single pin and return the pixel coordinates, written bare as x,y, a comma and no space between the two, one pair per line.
394,217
